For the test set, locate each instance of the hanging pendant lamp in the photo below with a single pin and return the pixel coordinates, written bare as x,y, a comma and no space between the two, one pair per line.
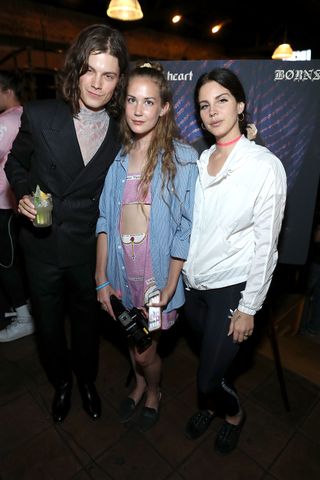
282,52
126,10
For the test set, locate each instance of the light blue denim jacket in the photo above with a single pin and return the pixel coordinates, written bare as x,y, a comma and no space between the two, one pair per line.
170,220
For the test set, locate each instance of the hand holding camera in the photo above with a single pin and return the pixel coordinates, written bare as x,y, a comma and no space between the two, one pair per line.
104,292
134,324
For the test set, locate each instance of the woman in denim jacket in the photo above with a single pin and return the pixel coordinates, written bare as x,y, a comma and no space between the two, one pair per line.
145,223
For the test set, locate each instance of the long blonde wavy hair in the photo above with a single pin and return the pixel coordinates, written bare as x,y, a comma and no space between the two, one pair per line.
164,133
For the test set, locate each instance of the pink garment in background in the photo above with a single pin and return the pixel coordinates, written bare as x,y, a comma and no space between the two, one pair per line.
9,127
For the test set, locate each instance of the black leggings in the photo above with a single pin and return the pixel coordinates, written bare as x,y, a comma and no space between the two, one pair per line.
207,312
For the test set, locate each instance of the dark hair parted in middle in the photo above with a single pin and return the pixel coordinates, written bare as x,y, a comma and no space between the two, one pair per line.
94,39
229,80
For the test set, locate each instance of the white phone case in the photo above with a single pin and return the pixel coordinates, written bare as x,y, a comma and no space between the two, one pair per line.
154,321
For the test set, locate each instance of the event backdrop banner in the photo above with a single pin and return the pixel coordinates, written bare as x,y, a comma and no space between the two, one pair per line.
283,101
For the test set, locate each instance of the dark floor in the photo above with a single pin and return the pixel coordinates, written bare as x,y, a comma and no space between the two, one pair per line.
274,444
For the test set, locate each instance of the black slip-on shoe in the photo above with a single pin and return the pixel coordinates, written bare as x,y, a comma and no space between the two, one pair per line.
198,424
148,418
228,436
127,409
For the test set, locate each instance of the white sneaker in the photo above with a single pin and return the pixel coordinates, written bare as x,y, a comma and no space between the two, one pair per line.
17,329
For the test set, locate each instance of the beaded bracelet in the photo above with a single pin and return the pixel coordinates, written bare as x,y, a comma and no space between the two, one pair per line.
105,284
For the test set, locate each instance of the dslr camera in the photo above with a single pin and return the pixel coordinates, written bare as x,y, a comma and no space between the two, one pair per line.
134,324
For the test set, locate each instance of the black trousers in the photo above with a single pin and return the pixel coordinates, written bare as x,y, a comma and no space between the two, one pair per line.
12,287
57,294
207,313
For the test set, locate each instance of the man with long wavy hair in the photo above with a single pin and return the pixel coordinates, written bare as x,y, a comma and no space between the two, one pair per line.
65,146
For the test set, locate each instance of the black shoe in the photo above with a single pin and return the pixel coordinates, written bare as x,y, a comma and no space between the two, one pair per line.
90,400
198,424
61,402
127,409
228,435
148,418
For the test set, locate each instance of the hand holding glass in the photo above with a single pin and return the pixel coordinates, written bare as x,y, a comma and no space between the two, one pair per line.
44,211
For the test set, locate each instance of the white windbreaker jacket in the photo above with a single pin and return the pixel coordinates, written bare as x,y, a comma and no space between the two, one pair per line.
236,223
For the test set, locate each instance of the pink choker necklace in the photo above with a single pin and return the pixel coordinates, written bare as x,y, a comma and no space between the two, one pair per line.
226,144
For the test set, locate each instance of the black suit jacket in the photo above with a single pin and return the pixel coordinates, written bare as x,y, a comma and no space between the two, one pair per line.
46,152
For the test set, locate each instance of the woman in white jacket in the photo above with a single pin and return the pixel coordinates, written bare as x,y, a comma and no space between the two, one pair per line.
239,205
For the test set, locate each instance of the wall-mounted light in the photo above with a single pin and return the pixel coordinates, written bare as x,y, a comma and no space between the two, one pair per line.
282,52
126,10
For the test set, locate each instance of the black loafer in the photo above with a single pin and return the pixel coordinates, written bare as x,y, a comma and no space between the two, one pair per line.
127,409
90,400
61,402
228,436
198,424
148,418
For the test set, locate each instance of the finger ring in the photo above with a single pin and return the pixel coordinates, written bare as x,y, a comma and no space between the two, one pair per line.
245,335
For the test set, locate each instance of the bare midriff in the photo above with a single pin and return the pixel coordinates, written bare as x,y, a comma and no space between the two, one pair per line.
134,219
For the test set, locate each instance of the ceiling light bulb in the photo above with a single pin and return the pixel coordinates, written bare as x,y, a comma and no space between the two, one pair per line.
176,18
216,28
